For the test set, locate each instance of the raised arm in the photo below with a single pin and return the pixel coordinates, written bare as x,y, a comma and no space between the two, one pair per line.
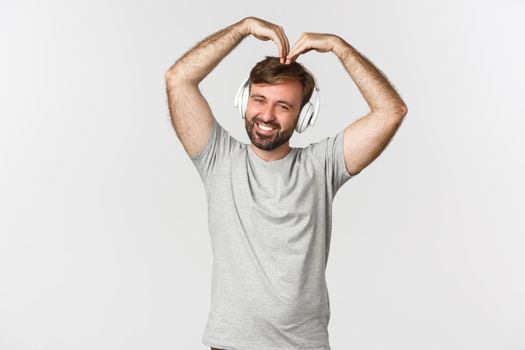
367,137
190,113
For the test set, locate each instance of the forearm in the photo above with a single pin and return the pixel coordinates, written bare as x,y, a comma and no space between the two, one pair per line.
198,62
379,94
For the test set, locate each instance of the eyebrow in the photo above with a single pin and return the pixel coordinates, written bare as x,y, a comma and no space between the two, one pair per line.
280,101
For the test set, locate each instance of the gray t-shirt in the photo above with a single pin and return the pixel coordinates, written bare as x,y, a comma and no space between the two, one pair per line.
270,226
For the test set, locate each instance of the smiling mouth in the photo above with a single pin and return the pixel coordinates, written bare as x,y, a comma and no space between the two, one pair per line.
264,130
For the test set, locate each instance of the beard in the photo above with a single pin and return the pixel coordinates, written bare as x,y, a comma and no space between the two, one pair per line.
267,142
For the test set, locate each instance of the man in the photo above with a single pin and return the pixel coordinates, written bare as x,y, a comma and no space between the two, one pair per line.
269,204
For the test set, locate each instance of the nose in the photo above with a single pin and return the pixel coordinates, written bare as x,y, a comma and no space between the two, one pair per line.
267,113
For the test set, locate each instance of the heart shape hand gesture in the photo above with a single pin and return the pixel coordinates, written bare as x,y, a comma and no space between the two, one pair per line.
263,30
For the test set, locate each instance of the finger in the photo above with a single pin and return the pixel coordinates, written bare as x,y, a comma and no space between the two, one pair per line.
274,36
296,50
293,58
297,46
290,59
286,43
280,49
281,45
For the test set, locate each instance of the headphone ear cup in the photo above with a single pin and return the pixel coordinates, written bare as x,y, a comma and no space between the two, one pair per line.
309,112
241,98
304,117
244,102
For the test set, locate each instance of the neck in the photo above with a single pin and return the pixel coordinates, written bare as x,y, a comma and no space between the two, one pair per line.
275,154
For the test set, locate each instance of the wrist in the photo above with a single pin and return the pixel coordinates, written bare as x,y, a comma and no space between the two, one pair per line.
340,46
241,27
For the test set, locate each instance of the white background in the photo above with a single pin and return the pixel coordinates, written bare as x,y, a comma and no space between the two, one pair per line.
103,223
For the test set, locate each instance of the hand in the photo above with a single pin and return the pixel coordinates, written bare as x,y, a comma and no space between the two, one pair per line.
311,41
264,30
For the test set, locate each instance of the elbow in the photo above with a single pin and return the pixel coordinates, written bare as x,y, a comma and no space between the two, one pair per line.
168,74
394,114
170,79
393,107
403,110
171,75
399,110
174,76
394,111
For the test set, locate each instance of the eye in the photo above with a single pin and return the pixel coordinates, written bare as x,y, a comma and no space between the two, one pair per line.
284,107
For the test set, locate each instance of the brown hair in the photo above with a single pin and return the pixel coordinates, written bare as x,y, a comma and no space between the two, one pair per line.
272,71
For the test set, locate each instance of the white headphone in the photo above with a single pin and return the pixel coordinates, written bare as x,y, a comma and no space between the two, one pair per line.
308,114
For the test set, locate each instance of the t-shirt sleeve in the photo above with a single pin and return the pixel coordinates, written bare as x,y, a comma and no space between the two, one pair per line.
217,151
330,152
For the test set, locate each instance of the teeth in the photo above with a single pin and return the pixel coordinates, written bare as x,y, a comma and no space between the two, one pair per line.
265,127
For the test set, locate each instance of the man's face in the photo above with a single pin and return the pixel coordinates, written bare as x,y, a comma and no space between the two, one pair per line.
275,106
